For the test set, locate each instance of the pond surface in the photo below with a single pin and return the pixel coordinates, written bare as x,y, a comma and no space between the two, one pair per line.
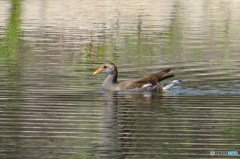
50,106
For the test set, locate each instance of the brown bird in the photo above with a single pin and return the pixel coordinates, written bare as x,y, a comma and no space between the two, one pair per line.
146,83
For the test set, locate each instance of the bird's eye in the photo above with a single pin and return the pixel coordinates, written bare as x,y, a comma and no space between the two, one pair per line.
104,66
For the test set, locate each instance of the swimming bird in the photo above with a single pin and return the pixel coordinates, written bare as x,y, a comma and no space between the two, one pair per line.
146,83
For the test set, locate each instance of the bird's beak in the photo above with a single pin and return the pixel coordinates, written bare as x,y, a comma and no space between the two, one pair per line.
98,71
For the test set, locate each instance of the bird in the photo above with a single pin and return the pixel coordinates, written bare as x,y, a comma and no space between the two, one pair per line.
146,83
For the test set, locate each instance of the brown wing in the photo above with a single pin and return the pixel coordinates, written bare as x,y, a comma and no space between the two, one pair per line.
151,79
154,78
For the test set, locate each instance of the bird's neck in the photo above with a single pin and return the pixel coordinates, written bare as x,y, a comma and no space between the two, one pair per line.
110,80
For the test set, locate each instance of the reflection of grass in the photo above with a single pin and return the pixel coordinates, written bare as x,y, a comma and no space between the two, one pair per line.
233,133
11,40
10,46
8,49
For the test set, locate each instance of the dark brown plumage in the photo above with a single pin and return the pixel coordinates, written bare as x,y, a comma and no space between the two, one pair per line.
146,83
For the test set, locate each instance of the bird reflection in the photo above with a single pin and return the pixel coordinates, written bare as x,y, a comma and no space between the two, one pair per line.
126,117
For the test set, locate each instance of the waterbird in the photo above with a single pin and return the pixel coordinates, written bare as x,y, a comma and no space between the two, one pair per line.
147,83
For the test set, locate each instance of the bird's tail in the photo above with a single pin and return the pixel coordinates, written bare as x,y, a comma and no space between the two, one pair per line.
169,85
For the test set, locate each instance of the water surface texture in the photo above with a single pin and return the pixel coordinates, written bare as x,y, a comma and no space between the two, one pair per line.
50,103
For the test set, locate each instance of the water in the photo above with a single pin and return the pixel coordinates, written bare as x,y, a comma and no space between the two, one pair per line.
50,103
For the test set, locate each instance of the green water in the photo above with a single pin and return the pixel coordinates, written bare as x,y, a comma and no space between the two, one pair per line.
51,105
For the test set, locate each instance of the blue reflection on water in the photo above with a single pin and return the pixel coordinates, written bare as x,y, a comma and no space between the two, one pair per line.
190,91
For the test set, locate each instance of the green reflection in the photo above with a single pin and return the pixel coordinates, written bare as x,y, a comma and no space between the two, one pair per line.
8,52
10,78
10,43
233,132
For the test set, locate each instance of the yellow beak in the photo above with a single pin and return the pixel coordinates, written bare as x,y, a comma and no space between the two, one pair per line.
98,71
